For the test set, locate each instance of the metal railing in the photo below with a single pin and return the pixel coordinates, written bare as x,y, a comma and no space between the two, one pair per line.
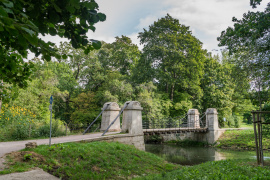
174,123
165,123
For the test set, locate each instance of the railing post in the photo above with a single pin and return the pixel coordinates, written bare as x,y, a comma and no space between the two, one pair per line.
109,115
193,118
132,118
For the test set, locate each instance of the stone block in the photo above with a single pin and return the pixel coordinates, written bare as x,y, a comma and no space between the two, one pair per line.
31,145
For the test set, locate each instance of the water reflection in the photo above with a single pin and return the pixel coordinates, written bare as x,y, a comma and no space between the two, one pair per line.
196,155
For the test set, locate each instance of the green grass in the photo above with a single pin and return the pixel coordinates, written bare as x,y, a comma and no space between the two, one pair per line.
241,139
226,169
95,160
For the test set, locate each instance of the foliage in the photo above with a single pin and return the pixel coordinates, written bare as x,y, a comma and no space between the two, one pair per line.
224,169
171,53
23,21
249,42
17,123
97,160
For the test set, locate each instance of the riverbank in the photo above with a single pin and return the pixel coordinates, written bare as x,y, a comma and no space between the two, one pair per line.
241,140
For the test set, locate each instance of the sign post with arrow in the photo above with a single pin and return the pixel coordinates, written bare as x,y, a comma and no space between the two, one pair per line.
50,108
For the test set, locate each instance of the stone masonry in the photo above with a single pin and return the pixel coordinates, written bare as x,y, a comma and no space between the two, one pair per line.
109,115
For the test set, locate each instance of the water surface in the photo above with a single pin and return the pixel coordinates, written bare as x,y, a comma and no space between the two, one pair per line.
197,155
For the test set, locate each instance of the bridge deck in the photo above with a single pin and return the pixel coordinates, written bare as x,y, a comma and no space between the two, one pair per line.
173,130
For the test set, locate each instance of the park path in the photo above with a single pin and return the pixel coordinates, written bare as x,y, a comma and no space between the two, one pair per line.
7,147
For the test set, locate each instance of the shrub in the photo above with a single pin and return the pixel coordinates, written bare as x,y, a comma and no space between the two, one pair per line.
58,129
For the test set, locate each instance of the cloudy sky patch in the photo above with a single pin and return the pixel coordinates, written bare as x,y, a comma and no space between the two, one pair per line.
206,18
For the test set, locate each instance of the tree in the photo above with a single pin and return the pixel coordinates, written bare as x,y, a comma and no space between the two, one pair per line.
249,42
21,23
173,56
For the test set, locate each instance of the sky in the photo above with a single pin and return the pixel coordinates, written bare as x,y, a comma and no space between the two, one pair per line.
206,18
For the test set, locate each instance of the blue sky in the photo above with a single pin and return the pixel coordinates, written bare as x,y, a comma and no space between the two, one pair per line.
206,18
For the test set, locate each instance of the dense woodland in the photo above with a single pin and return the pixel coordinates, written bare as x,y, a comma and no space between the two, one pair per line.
169,76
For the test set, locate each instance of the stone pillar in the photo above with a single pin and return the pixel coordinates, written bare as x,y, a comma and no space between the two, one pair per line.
109,115
193,118
212,119
212,124
132,118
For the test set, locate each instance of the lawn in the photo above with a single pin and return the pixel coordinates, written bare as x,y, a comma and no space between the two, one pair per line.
95,160
241,139
223,170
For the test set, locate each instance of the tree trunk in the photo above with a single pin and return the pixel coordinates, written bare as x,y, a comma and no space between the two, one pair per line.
172,92
1,81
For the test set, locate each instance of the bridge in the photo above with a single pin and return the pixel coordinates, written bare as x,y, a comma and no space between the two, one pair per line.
133,130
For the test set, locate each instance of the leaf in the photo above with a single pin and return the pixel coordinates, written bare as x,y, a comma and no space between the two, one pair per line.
91,5
64,56
8,4
96,45
47,57
32,39
29,31
102,17
56,8
52,31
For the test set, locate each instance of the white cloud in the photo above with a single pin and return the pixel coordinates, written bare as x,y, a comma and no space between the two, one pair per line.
206,18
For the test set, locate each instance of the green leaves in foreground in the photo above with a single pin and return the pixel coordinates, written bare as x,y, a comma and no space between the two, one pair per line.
228,169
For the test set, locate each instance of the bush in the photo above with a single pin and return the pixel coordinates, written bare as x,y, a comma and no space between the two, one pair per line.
233,121
58,129
17,123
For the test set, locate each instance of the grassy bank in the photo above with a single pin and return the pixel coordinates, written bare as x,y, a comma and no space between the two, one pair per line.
96,160
228,169
242,140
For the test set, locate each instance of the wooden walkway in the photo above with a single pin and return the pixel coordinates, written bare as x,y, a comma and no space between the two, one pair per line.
173,130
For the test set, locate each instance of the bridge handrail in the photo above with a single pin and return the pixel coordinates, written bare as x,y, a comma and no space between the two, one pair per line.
204,114
96,119
126,104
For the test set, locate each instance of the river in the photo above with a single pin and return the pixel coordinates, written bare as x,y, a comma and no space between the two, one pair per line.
197,155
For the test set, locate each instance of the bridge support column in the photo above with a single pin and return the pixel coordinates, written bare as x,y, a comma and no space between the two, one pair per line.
212,124
132,124
132,118
109,115
193,118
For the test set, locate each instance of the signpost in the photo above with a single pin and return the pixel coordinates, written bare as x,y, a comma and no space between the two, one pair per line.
50,108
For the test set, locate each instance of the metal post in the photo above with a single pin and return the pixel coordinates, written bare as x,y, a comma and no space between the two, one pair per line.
259,134
255,133
50,126
96,119
115,118
50,108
